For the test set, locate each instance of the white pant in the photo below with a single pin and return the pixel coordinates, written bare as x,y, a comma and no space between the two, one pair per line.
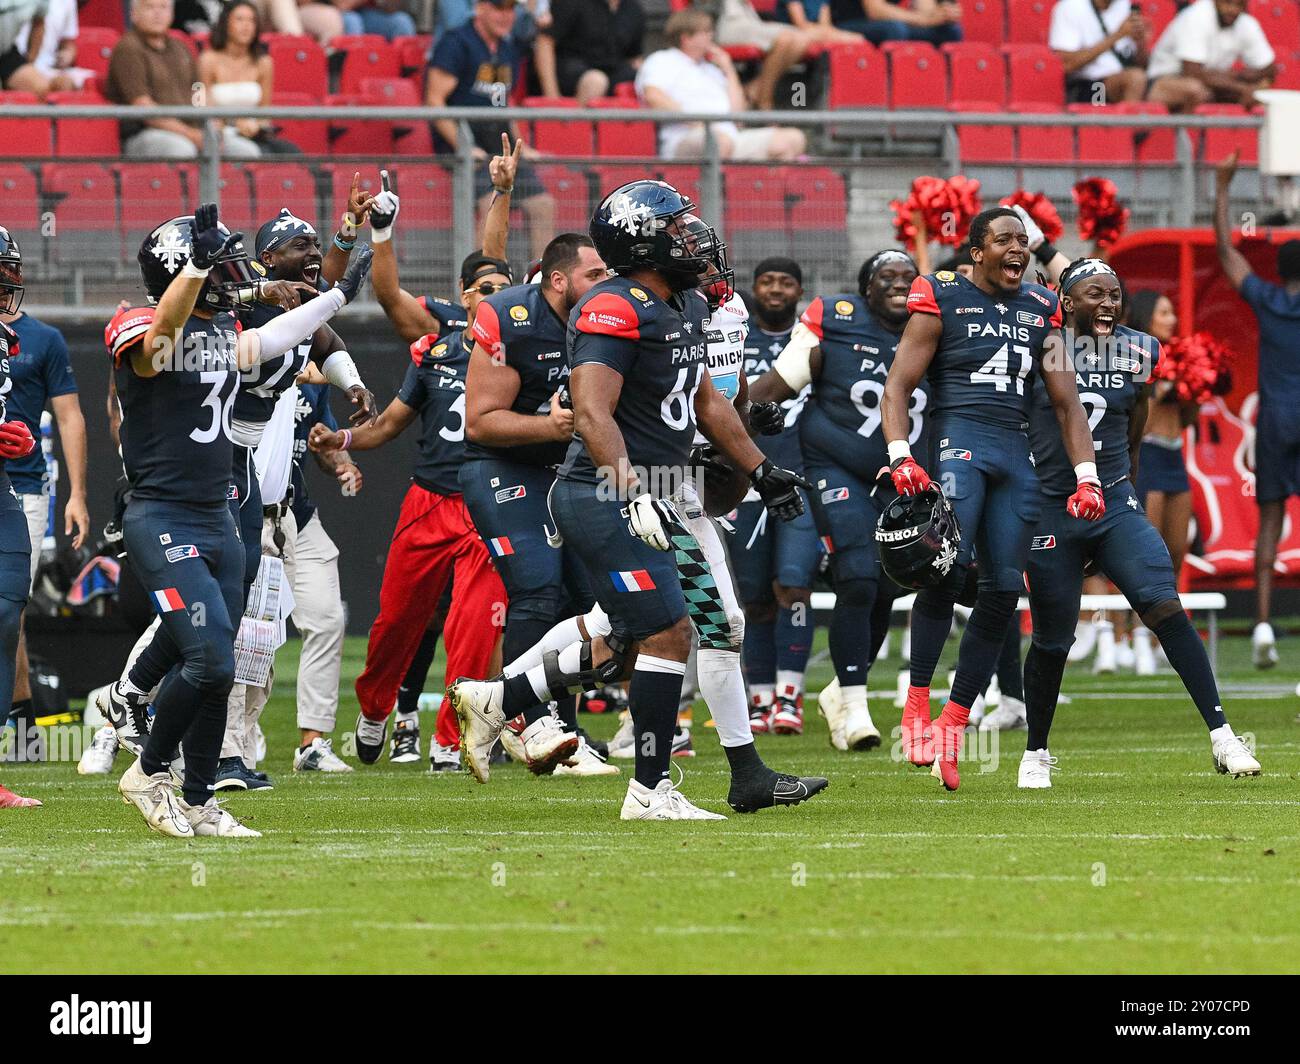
318,616
36,508
705,530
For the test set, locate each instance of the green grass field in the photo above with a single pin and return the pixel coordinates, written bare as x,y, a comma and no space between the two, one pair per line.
1141,859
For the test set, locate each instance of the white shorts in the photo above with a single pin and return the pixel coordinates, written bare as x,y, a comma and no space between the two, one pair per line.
750,145
36,507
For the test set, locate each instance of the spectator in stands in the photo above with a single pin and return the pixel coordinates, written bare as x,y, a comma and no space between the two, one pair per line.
813,17
1102,45
388,18
590,46
303,17
53,66
695,74
739,24
150,68
936,21
475,66
237,72
18,20
1193,61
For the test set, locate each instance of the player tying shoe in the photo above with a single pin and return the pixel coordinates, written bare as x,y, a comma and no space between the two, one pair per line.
844,346
979,340
1113,367
177,368
637,349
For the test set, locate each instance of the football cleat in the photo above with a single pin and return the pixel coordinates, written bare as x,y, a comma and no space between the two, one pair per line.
405,747
830,705
1009,715
623,745
601,749
760,720
1143,653
210,819
319,756
1085,641
1125,658
234,775
443,758
259,744
949,730
1036,768
586,762
369,738
779,788
478,709
9,800
664,802
860,731
99,755
1263,646
682,745
546,744
128,713
1107,660
917,733
980,707
787,716
1231,756
157,802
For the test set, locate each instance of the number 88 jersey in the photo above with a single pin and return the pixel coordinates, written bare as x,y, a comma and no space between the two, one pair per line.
990,348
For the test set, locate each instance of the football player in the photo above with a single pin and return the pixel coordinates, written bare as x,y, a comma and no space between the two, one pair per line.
176,369
844,346
776,561
517,431
637,351
980,341
1112,365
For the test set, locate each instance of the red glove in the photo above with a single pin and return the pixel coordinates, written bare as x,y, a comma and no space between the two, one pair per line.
16,440
909,478
1087,501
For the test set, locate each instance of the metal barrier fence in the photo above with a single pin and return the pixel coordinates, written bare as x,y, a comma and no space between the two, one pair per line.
82,219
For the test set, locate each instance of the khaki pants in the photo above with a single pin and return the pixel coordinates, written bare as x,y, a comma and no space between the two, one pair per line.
318,616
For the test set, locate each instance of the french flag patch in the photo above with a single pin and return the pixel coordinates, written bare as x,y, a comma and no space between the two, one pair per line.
499,548
828,545
636,580
168,599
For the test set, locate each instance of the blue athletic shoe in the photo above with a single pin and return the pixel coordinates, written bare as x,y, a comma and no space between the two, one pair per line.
234,775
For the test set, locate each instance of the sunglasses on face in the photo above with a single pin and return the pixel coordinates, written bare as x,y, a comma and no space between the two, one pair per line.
487,288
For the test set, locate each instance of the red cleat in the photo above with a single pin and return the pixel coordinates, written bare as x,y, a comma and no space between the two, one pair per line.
760,716
9,800
918,744
949,730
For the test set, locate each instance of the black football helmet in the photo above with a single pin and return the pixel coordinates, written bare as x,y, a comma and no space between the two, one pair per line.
917,537
649,224
232,283
11,273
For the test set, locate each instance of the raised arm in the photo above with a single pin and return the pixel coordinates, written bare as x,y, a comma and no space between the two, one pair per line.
496,222
353,217
1232,261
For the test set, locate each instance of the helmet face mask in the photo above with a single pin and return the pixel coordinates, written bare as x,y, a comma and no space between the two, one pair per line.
11,273
918,538
232,283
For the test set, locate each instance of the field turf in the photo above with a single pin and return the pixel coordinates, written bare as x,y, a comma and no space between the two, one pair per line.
1140,859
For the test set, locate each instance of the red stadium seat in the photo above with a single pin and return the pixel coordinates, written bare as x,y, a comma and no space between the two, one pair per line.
1220,143
84,136
413,51
618,137
1044,144
93,13
857,76
277,185
95,48
311,135
626,90
755,199
686,179
1103,144
1281,22
85,212
917,77
357,137
236,201
1159,13
300,67
1028,21
21,199
609,178
143,187
976,72
1155,145
426,202
559,138
568,188
984,144
1036,76
984,22
817,198
24,137
362,61
1288,72
409,138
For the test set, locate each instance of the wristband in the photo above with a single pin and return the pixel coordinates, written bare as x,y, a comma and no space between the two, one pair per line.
347,439
1086,473
348,225
503,191
898,449
1046,253
378,236
193,272
343,245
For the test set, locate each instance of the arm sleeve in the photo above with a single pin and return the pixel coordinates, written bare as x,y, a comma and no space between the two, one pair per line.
794,364
58,368
921,299
412,391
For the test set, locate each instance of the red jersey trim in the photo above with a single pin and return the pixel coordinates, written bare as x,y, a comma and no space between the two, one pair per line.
126,329
920,300
812,316
487,327
609,314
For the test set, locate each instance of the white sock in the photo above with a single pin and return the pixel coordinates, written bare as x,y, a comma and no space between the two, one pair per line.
723,686
762,696
413,717
853,696
559,637
570,662
789,683
127,687
1223,734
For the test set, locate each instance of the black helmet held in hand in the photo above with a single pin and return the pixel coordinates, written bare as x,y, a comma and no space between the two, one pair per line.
917,537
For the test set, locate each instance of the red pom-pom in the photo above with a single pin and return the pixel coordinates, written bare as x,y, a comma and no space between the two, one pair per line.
946,209
1198,365
1040,209
1102,217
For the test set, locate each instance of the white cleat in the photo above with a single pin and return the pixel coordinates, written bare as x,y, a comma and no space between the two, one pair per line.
830,705
1125,658
478,709
900,692
1231,756
98,757
129,715
992,694
157,802
511,743
1143,653
319,756
586,762
1107,659
665,802
860,731
444,758
979,710
623,745
1036,768
210,819
259,745
1009,715
1085,642
1263,646
546,744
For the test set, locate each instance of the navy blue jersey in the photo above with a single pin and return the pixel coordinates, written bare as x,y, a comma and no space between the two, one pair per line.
518,328
660,353
841,423
761,349
313,407
10,352
435,386
1278,314
990,348
1111,373
176,440
484,76
261,386
41,374
449,316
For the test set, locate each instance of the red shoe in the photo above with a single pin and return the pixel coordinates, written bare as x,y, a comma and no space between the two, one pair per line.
918,742
949,731
787,718
9,800
760,717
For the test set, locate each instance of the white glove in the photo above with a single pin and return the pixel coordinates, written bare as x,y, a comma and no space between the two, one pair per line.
383,213
649,520
1032,230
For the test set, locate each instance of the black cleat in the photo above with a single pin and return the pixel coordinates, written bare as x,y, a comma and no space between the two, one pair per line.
370,738
779,789
600,747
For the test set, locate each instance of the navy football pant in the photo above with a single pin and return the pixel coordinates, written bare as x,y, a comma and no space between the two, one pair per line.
15,583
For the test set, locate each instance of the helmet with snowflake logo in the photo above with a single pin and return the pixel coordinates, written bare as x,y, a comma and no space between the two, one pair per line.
11,273
918,538
232,283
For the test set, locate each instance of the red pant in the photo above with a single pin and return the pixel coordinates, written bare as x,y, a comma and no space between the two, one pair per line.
433,538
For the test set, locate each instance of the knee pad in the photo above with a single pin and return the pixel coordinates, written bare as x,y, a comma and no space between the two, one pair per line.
736,628
588,675
858,592
761,612
1161,611
534,605
1051,644
992,614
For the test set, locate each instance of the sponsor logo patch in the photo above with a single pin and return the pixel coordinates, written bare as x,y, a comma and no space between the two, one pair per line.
638,293
1041,298
519,312
945,275
510,494
835,495
959,453
827,545
844,307
1042,543
232,492
549,354
969,310
165,538
1025,318
635,580
175,554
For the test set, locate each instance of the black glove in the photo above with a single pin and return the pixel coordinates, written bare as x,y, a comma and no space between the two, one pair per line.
207,242
355,276
780,490
766,418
